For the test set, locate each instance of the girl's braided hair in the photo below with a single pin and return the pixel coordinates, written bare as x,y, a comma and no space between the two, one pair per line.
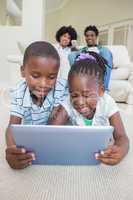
90,63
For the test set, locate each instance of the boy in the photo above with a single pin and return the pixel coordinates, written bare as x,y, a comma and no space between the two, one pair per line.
35,97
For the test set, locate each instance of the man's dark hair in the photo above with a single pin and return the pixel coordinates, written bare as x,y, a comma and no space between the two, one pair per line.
40,49
66,29
91,28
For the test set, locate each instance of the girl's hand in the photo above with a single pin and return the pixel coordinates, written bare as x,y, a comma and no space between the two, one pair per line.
112,155
18,158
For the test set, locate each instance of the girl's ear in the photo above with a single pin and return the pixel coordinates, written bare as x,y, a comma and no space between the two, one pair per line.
22,71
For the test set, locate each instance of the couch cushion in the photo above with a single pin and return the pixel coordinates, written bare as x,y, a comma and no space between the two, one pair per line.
119,90
120,55
120,73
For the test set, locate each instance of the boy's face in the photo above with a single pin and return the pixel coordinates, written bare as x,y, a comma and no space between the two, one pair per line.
90,38
40,74
84,94
65,40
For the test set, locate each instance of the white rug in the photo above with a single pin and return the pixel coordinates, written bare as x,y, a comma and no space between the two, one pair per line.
66,182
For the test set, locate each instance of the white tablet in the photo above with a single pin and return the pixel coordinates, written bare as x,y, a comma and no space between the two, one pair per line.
63,145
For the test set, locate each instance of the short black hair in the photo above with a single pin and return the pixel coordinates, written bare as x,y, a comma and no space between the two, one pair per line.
41,49
66,29
91,28
90,67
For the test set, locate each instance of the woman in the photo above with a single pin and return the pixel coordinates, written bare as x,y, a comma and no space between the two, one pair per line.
64,37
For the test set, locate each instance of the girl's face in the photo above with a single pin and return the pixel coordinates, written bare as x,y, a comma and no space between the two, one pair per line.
40,74
84,93
65,40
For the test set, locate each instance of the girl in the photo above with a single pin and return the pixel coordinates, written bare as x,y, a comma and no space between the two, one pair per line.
88,105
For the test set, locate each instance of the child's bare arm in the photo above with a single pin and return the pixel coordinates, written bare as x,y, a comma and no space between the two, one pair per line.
116,152
58,116
16,157
119,134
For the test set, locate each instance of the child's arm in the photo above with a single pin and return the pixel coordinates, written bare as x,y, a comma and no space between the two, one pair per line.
59,116
116,152
17,158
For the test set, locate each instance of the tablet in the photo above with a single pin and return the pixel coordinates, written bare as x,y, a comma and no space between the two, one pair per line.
63,145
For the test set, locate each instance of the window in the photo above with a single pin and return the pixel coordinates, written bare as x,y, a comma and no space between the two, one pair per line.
120,35
117,33
103,37
11,12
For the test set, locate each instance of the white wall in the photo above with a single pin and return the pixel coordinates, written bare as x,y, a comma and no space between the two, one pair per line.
2,12
8,40
82,13
77,13
32,29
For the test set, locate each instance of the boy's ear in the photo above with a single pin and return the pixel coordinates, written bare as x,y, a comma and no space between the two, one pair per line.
22,71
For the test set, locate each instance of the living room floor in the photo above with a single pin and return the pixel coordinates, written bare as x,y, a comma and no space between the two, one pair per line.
62,183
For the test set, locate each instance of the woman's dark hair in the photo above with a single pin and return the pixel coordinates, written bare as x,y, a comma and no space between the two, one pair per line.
66,29
91,28
86,66
42,49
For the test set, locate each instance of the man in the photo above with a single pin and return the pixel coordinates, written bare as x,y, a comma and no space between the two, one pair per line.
91,36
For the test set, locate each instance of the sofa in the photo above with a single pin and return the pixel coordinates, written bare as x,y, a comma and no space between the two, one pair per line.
121,83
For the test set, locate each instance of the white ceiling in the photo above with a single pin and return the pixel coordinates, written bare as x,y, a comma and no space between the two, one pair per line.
53,5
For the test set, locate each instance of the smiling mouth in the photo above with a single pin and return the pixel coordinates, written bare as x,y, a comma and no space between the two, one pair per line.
82,110
41,93
85,111
89,40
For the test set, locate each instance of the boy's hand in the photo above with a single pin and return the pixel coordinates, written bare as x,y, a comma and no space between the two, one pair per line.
111,156
18,158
